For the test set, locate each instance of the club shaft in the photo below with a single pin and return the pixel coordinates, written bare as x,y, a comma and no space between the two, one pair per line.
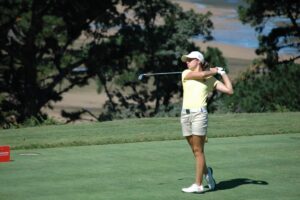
162,73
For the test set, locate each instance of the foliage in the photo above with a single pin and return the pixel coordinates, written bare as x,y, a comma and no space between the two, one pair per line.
43,44
40,50
283,15
156,36
270,84
261,90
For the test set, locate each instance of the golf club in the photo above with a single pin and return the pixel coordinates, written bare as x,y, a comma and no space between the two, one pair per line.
141,76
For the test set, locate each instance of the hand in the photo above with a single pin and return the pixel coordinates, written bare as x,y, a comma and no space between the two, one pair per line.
221,71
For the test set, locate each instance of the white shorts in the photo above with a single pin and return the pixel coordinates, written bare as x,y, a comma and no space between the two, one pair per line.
194,122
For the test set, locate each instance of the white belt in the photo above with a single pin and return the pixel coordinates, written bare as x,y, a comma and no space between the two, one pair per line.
204,109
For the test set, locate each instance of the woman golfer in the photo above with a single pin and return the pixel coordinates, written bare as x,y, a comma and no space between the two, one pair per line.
197,83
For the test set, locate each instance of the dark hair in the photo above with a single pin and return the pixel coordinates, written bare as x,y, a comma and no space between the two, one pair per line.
205,66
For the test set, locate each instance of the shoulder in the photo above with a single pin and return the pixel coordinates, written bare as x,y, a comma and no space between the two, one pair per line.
185,72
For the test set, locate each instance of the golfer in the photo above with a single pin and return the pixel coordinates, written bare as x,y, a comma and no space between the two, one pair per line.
197,83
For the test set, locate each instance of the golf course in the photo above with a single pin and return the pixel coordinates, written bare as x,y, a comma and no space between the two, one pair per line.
254,156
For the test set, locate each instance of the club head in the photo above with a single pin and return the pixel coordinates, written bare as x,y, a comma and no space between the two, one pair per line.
141,77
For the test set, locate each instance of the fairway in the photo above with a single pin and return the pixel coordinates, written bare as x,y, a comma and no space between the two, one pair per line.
246,167
147,129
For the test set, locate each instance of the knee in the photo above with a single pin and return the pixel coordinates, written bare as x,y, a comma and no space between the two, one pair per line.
198,151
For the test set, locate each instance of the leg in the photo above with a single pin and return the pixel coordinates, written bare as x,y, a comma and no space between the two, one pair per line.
197,146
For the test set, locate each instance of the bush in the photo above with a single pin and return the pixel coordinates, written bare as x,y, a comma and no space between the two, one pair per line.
30,122
265,91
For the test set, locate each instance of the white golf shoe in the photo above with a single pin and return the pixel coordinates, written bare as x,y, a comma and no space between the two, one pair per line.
210,179
193,189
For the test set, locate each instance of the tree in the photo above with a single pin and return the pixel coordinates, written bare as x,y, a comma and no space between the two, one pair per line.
270,84
157,34
283,18
38,50
257,91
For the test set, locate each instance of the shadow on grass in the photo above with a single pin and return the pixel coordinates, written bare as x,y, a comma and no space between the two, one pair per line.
233,183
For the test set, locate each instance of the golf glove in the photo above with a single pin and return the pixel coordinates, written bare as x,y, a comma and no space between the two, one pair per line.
221,70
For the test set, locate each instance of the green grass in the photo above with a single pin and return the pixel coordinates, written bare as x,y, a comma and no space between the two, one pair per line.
254,156
262,167
141,130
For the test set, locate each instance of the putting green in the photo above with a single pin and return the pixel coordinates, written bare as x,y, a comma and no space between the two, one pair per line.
247,167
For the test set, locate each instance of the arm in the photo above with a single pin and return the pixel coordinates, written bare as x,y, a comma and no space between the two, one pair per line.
225,87
201,74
